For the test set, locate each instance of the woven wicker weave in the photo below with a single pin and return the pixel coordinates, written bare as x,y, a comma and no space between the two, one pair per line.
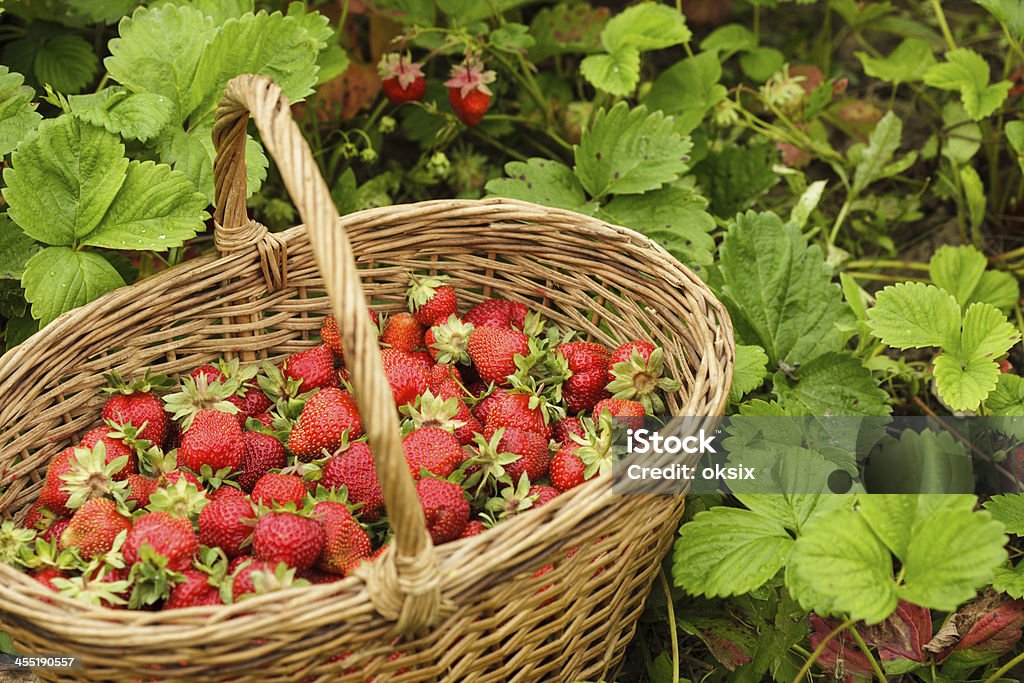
472,610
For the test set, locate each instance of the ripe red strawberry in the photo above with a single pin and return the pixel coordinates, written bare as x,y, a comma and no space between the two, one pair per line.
513,410
250,404
493,350
402,79
313,368
171,478
260,454
497,313
474,528
266,419
445,380
623,353
169,536
243,580
38,517
115,448
451,414
542,494
628,413
531,447
226,523
227,491
345,540
279,489
469,95
430,299
436,450
405,374
140,488
566,469
356,471
214,439
210,372
402,332
93,528
55,532
331,335
636,371
483,407
445,508
46,575
196,591
137,405
286,537
448,340
588,367
327,415
566,427
52,495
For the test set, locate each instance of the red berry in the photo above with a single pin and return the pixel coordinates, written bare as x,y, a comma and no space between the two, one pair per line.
327,415
170,536
445,508
356,471
286,537
260,454
279,489
436,450
226,522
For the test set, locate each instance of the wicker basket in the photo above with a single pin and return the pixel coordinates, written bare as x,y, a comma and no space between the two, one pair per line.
472,610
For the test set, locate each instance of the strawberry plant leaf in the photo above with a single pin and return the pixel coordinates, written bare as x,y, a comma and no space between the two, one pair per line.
542,181
16,248
222,10
952,554
729,39
630,151
63,179
688,90
913,315
793,510
760,63
727,551
749,371
925,462
960,270
967,72
965,374
896,518
874,161
674,216
1009,12
17,112
136,116
158,51
779,290
156,209
831,384
192,153
58,279
1006,405
616,73
906,64
567,29
1009,580
1015,136
647,26
65,62
734,177
1008,509
839,567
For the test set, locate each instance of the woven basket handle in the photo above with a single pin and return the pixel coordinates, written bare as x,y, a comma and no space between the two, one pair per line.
404,583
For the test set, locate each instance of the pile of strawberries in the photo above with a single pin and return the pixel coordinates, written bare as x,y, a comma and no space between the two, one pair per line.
249,479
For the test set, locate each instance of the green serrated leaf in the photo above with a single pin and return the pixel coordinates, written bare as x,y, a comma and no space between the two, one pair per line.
1010,581
1008,509
874,160
58,279
963,136
794,510
952,554
749,371
541,181
760,63
220,10
66,63
1006,406
913,315
567,28
840,567
1015,136
63,179
925,462
832,384
967,373
647,26
961,271
158,51
675,217
967,72
729,39
897,518
906,64
974,195
688,90
727,551
16,248
630,151
734,177
1009,12
18,114
512,37
138,116
616,73
779,290
156,209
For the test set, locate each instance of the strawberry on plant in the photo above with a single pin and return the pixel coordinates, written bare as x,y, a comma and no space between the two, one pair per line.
493,351
445,508
327,416
313,368
260,454
290,538
436,450
355,469
636,372
430,299
468,92
402,79
214,440
405,374
226,523
587,364
402,332
274,489
497,313
448,340
94,527
135,404
169,537
345,540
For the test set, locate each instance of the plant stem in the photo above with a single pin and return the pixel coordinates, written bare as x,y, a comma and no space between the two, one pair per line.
867,653
1005,668
943,24
882,278
672,626
886,263
821,648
